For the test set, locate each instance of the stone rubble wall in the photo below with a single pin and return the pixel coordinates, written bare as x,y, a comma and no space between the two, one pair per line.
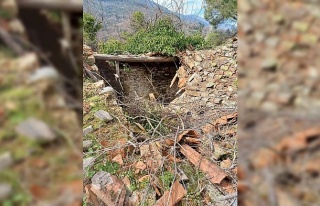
88,58
208,79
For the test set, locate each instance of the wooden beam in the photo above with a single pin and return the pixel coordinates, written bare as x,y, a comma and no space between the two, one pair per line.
62,5
132,58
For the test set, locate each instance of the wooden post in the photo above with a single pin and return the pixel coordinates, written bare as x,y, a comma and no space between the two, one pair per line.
62,5
134,58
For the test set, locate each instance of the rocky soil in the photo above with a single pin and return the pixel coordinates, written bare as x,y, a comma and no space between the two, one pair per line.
279,98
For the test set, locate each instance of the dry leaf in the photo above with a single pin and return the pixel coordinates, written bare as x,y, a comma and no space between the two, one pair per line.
139,126
225,164
264,158
104,143
227,187
140,165
169,142
215,174
91,197
126,181
118,159
192,140
74,186
207,128
144,150
171,198
153,156
38,192
298,141
188,133
225,119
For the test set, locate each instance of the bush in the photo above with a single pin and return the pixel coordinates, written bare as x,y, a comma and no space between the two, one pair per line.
112,46
215,39
161,37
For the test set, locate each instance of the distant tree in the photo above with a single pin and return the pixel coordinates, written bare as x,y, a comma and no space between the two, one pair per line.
90,28
218,11
138,21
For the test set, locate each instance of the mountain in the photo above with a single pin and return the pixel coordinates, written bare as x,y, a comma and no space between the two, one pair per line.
115,15
196,18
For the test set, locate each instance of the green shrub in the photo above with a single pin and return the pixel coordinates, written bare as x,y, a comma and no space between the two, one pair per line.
161,37
215,39
112,46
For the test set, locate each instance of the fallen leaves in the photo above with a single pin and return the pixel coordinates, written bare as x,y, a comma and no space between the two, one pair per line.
152,155
222,121
298,141
140,165
118,159
190,136
172,197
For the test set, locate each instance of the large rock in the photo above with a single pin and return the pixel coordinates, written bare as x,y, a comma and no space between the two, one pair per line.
87,130
35,129
103,115
88,162
109,189
107,90
28,62
87,144
5,191
6,160
44,73
16,27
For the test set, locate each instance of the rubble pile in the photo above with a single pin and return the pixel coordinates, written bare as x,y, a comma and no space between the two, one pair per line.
279,62
279,97
88,59
208,80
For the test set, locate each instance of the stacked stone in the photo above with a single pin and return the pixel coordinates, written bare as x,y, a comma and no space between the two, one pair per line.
208,79
89,59
279,55
9,12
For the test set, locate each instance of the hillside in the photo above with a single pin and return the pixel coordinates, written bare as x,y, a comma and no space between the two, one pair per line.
115,15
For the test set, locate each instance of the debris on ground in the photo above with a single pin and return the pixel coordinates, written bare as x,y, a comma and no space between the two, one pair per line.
164,155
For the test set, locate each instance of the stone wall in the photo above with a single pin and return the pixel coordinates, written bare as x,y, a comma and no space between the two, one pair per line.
141,80
208,80
138,80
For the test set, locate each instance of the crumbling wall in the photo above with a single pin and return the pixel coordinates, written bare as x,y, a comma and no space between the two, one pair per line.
140,80
207,79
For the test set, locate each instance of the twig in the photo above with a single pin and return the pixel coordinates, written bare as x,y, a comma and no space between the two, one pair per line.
227,197
10,42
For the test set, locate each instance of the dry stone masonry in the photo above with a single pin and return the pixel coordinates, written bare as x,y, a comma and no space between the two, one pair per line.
207,80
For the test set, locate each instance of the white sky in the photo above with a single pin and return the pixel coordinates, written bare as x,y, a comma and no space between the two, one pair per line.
190,6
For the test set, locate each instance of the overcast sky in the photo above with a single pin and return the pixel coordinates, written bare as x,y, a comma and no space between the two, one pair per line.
191,6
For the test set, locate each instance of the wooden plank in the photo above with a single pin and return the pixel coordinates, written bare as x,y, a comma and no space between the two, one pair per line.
132,58
63,5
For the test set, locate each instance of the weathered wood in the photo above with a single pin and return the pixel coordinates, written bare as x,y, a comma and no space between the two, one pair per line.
132,58
63,5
